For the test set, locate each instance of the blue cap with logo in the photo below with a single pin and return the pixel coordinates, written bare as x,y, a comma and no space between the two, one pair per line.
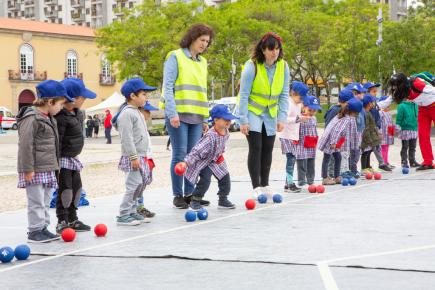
354,105
300,88
369,85
368,99
345,95
76,88
221,112
312,102
149,107
134,85
51,89
356,87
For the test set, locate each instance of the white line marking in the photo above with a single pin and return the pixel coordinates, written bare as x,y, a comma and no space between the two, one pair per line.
327,278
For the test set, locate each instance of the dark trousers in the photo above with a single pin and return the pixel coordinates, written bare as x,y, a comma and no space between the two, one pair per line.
337,164
89,132
365,160
306,171
107,133
353,160
260,157
203,184
408,147
68,195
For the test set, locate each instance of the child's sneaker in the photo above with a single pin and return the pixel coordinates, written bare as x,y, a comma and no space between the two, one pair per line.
127,220
391,166
38,237
145,212
328,181
195,205
79,226
203,202
414,164
338,180
366,170
179,202
385,167
50,235
224,203
293,188
347,174
356,175
61,226
139,217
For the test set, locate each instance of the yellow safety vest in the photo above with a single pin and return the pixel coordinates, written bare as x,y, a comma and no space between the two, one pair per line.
264,96
190,89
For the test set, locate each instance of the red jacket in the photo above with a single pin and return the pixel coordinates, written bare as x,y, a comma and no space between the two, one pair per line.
108,121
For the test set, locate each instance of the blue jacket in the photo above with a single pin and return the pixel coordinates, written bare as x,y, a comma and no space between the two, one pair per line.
377,116
331,113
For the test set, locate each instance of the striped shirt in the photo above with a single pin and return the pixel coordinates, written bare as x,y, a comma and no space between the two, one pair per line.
353,137
408,135
288,146
205,153
337,129
71,163
306,129
386,122
47,179
125,165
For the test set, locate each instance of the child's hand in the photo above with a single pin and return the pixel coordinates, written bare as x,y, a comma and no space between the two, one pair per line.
135,164
28,176
304,118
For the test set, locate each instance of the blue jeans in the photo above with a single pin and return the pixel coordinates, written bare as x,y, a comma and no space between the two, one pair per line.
290,168
183,139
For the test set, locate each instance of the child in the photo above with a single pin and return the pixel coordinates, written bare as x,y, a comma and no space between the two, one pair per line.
70,127
306,149
337,137
387,128
38,156
141,209
289,136
371,135
134,147
406,119
89,127
206,159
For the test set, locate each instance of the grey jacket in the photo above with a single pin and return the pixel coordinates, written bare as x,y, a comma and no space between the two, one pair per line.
38,141
132,128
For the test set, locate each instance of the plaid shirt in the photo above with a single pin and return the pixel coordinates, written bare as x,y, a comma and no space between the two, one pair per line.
408,135
125,165
335,130
205,153
288,146
306,129
47,179
386,121
71,163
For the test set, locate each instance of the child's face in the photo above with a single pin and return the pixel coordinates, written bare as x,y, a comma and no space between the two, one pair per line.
311,112
139,98
295,96
55,106
222,124
359,95
78,102
373,91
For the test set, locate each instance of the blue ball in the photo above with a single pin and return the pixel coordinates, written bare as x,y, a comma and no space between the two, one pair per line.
202,214
405,170
22,252
277,198
6,254
345,182
262,198
190,216
352,181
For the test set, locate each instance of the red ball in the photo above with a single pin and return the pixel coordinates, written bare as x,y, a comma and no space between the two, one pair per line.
68,235
312,188
369,176
378,176
100,230
250,204
179,169
320,188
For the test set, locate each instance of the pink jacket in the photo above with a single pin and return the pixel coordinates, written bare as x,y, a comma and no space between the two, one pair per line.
291,128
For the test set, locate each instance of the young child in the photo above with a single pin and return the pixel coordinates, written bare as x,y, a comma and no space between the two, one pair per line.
387,128
337,137
206,159
371,135
134,147
406,119
70,127
306,149
289,136
141,209
38,156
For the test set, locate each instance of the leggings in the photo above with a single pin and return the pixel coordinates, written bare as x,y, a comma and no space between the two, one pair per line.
385,153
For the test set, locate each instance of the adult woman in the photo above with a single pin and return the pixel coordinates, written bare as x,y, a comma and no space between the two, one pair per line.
185,102
264,92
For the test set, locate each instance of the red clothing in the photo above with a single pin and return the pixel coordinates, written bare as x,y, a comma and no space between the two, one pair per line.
426,116
425,94
108,121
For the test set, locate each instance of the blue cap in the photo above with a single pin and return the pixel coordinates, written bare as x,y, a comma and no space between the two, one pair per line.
51,89
354,105
222,112
368,99
76,88
300,88
312,102
149,107
369,85
134,85
345,95
383,98
356,87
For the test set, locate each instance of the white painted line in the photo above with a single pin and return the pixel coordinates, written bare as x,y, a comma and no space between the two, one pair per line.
327,278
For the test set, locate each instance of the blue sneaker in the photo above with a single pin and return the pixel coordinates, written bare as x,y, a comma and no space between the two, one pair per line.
224,203
356,175
347,174
195,205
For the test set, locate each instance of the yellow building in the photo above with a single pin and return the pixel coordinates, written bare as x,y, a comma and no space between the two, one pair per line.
34,51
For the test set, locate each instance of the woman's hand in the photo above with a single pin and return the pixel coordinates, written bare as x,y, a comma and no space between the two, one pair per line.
279,127
175,122
244,129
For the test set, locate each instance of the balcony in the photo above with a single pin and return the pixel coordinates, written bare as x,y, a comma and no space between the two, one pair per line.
77,16
77,3
14,6
107,80
50,2
78,75
18,75
29,3
51,14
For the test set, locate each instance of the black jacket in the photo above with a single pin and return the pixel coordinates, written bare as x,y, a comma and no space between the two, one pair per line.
70,127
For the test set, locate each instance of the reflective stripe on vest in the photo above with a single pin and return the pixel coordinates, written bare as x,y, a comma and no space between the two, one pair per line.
190,90
264,96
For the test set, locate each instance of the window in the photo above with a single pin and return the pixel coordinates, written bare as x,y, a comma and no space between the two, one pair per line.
26,62
106,73
71,65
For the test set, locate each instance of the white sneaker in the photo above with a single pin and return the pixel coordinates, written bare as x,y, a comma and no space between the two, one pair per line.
268,191
256,192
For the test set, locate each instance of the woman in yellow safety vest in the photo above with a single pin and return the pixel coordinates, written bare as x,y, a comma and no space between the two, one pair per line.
264,91
184,99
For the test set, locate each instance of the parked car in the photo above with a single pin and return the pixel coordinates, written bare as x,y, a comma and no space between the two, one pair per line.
8,119
231,103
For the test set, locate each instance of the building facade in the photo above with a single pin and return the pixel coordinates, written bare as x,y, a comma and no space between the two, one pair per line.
398,8
36,51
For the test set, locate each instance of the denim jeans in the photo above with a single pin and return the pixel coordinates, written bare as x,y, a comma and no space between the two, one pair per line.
353,160
183,139
290,167
337,163
306,171
203,184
